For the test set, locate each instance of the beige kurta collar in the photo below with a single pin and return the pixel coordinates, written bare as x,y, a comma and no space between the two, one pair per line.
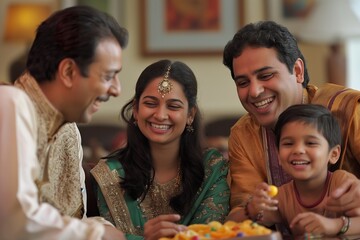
59,153
53,118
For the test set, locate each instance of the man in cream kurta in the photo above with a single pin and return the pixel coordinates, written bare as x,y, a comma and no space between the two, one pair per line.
61,180
72,68
23,175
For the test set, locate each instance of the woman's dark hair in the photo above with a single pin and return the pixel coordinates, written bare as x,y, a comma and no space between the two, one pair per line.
135,157
266,34
75,33
316,115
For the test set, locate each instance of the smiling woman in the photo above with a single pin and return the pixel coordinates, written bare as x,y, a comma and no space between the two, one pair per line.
163,175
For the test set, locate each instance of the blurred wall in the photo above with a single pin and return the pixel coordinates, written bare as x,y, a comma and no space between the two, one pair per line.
217,94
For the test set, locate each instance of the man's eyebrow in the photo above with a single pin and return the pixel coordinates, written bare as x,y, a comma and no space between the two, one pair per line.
262,69
257,71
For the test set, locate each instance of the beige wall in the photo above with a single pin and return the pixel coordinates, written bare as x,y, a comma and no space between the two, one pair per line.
217,94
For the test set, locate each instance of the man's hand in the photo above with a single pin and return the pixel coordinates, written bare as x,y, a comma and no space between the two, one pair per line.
112,233
345,198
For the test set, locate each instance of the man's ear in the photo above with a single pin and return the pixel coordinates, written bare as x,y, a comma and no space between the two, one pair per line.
334,154
66,71
299,70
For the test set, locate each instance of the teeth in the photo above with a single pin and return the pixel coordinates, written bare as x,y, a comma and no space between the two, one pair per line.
299,162
162,127
263,103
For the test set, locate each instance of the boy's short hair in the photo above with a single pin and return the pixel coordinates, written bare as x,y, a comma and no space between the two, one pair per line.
316,115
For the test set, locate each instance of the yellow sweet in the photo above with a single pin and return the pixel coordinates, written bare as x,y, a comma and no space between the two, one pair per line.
273,191
215,225
216,230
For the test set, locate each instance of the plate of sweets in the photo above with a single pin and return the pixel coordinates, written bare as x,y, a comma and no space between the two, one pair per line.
229,230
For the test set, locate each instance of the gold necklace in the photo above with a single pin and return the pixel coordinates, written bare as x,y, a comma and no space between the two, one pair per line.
157,200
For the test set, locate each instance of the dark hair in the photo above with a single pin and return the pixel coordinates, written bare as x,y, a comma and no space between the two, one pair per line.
75,33
318,116
136,158
266,34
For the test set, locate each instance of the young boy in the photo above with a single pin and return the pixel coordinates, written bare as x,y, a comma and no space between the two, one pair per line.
308,139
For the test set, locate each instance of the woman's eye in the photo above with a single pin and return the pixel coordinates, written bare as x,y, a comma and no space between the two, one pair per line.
149,104
174,107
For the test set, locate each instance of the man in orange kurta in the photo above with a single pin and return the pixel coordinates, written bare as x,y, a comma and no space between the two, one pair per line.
270,75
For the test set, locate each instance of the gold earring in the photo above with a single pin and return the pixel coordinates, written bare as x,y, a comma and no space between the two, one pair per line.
189,128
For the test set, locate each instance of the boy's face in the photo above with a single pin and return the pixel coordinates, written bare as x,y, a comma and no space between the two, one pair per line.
304,152
264,84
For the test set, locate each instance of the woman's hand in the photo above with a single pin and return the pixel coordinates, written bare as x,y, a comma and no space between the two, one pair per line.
162,226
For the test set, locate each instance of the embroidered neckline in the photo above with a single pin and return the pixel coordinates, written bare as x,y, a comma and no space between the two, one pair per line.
157,199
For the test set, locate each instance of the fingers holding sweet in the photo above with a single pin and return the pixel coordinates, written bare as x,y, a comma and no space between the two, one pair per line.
264,197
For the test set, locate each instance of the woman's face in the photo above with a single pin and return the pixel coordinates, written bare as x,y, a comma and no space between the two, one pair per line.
163,119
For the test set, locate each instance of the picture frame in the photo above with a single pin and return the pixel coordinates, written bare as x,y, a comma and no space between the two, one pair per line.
158,40
112,7
277,11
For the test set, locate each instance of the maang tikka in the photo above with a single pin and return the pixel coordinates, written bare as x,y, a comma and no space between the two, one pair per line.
165,86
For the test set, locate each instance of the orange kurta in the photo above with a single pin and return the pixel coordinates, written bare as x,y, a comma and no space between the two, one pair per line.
248,151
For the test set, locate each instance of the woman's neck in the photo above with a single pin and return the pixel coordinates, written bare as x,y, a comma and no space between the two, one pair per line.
166,162
165,157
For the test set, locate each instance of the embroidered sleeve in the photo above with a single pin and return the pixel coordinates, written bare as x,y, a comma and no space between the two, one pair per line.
103,208
111,202
215,201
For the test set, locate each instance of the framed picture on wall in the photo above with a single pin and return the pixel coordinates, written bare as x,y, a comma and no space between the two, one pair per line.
113,7
172,27
289,13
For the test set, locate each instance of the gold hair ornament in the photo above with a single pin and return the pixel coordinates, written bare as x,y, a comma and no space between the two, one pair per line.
165,86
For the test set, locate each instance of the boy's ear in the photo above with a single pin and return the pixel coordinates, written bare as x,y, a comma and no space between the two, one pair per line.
334,154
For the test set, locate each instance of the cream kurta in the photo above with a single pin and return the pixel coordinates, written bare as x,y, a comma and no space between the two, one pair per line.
59,153
26,212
